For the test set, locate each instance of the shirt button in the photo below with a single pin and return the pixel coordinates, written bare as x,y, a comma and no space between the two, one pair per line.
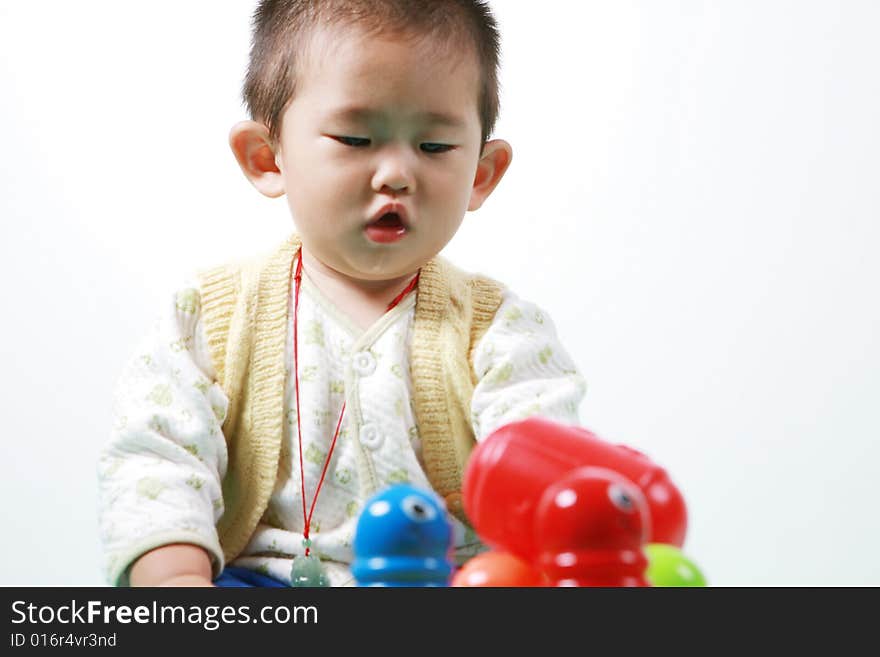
363,363
371,437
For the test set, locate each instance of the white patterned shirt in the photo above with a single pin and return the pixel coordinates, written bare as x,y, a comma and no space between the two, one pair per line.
160,473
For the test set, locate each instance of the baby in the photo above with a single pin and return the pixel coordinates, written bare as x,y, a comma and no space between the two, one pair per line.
277,394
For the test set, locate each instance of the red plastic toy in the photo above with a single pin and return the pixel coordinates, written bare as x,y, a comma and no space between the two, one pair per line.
591,527
495,568
509,470
526,465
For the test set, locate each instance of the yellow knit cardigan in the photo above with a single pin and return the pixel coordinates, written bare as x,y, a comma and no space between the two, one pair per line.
244,312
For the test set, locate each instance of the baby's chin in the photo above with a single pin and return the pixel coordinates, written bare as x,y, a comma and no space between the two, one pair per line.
367,265
383,267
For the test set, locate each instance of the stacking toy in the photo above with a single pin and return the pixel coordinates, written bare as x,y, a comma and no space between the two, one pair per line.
668,566
499,569
510,470
402,538
590,528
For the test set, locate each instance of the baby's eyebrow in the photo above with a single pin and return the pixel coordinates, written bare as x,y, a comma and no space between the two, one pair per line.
366,115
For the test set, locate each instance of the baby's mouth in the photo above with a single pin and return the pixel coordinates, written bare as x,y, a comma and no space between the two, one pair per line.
389,227
389,220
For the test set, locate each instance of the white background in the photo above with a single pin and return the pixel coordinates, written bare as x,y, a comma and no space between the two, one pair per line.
694,198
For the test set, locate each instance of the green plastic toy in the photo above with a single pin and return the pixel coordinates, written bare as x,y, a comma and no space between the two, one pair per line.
668,566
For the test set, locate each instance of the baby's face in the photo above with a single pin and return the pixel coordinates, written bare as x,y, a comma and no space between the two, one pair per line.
379,150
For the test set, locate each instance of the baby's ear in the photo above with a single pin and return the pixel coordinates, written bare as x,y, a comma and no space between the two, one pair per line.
494,160
252,147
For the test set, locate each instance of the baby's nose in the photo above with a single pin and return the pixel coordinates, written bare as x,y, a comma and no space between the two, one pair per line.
394,173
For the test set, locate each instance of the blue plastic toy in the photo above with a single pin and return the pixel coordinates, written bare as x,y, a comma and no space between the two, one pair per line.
402,539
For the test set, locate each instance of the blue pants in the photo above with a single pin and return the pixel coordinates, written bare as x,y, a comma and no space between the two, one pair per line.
234,577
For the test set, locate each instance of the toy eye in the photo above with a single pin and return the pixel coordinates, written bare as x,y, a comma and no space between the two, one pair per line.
417,509
620,498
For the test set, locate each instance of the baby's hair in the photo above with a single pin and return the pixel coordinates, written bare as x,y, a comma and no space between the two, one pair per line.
281,30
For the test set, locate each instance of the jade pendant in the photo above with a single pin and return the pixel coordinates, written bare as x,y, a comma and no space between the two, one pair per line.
308,572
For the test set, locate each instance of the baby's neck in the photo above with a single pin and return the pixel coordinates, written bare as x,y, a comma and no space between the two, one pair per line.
363,301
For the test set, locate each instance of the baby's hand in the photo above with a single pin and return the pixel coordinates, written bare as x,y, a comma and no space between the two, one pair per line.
173,565
187,580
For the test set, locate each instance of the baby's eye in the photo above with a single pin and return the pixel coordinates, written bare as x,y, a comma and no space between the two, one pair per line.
430,147
353,141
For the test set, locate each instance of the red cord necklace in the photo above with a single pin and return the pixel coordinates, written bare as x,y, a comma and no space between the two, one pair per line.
307,570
